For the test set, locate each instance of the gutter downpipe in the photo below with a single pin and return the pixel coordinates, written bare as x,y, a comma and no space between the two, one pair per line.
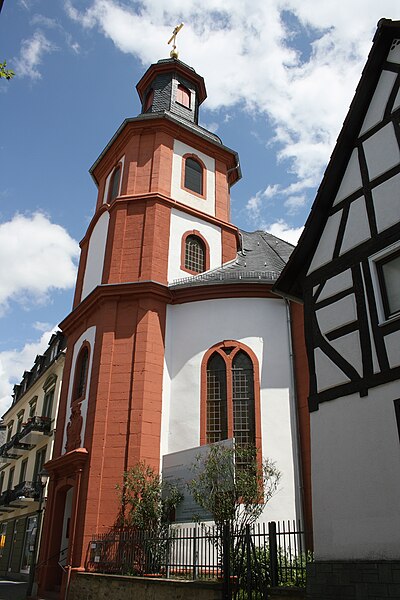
299,494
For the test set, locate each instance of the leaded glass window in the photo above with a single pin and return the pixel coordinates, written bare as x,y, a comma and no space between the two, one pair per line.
217,422
195,255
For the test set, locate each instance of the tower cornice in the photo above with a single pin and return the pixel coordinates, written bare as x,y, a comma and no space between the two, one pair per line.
168,123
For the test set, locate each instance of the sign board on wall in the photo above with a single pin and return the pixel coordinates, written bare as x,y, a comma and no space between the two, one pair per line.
177,469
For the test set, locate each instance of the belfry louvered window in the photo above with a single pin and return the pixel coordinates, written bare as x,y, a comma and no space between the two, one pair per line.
183,95
230,406
195,254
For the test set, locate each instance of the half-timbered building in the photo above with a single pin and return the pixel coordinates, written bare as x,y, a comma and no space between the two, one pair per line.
346,270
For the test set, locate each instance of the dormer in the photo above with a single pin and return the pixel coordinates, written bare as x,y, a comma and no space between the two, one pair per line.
172,86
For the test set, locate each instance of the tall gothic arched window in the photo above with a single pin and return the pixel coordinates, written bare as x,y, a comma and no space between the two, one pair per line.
231,396
217,419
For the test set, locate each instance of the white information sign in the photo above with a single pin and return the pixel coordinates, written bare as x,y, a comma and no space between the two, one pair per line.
177,469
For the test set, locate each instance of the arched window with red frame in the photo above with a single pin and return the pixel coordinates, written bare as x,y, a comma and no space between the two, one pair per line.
193,177
183,95
195,252
230,395
81,373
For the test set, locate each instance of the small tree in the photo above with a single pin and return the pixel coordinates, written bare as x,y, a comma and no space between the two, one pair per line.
233,485
4,72
146,502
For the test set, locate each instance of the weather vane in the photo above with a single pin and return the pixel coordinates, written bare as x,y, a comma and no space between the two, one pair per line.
174,52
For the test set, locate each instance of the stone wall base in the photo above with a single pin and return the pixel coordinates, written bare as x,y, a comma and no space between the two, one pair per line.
353,580
94,586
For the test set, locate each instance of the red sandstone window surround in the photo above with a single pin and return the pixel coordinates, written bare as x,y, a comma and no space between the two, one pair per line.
230,395
194,175
195,253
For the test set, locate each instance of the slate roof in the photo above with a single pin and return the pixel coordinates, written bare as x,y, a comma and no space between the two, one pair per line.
261,259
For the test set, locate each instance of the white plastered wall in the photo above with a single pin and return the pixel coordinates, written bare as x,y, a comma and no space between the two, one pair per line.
260,324
355,464
95,256
88,336
207,204
180,224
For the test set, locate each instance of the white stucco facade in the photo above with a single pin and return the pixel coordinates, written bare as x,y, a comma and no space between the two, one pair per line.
181,223
95,256
207,204
356,490
260,324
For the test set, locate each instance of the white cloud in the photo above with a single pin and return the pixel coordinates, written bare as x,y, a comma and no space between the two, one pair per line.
295,203
249,55
283,231
41,326
37,256
14,362
31,55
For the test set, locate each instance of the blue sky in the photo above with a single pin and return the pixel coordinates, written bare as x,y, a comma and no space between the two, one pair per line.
280,75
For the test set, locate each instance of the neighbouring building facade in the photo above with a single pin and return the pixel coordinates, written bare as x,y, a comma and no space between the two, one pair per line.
346,270
28,439
175,338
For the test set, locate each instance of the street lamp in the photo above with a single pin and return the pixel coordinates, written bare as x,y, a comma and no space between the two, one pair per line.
42,478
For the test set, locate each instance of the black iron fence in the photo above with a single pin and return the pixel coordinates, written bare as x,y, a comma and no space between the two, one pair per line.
247,561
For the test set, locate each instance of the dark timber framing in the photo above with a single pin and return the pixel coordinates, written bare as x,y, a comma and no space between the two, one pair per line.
295,282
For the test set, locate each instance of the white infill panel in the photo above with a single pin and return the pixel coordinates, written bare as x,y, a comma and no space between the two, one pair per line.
351,181
357,226
379,100
328,374
392,343
338,283
386,200
326,246
394,52
337,314
349,347
381,151
396,103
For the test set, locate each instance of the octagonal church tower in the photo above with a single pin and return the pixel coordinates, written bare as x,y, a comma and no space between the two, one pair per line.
175,338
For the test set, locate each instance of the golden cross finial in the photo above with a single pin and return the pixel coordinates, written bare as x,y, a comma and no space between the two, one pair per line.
174,52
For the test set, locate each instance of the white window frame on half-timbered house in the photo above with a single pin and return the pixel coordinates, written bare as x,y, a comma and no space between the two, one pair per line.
379,282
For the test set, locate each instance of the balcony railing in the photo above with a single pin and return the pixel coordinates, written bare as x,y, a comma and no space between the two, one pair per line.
25,490
20,496
31,433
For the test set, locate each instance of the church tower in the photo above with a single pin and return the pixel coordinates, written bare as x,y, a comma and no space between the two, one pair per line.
167,287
